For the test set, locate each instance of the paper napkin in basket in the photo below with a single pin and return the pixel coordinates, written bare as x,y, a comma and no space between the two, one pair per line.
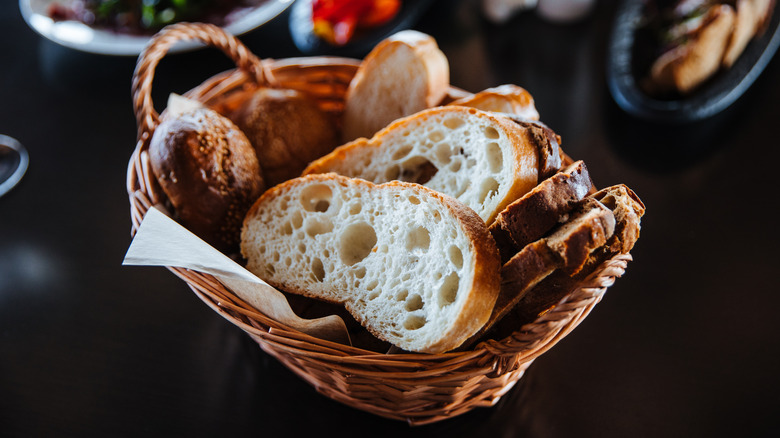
161,241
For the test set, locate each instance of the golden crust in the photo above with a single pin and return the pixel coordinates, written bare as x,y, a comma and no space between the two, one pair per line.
507,98
366,113
287,130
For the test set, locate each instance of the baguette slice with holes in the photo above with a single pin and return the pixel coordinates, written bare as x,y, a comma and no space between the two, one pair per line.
403,74
482,159
416,268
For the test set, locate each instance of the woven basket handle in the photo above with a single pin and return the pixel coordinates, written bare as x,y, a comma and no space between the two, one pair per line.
145,114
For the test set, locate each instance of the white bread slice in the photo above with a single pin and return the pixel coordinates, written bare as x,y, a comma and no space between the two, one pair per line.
415,267
507,98
482,159
405,73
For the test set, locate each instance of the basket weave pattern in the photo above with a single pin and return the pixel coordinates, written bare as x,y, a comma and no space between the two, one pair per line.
417,388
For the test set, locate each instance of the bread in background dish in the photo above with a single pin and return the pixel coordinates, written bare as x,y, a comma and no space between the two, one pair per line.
688,65
404,74
751,21
696,39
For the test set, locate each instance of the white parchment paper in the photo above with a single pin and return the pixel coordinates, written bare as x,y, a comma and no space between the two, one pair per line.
161,241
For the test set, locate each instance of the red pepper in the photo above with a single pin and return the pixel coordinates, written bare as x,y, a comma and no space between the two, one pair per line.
382,12
336,20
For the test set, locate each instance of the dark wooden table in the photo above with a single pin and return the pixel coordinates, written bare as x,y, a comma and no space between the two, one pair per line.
684,345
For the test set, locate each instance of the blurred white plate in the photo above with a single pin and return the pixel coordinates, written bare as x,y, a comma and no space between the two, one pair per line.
79,36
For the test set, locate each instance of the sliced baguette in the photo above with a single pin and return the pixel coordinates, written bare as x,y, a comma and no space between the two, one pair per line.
416,268
402,75
507,98
628,210
547,144
484,160
517,104
566,249
538,211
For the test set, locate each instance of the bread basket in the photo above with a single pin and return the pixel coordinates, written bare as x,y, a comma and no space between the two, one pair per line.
416,388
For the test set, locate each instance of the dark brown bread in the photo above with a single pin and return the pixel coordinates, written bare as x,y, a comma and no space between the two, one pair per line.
209,171
591,225
287,130
547,143
537,212
567,250
628,210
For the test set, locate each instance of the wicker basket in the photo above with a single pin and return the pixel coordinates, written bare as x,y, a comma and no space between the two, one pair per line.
417,388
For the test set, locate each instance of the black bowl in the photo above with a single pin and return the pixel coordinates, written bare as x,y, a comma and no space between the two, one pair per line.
710,98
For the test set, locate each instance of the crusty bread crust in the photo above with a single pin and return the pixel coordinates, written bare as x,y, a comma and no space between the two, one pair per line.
592,224
478,284
516,168
566,250
548,146
507,98
628,210
403,74
287,129
534,214
208,169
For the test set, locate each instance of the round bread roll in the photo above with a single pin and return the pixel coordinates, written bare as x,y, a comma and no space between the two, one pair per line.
288,131
209,171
